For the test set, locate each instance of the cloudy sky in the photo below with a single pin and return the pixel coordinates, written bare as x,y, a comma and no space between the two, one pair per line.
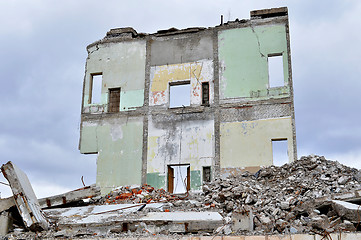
43,51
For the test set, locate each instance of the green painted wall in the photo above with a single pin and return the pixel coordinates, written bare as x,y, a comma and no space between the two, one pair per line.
131,99
196,180
243,55
122,65
156,180
119,146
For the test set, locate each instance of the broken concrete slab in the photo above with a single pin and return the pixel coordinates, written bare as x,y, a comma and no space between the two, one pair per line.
96,213
5,223
6,203
186,221
72,196
57,200
25,199
346,210
242,221
124,217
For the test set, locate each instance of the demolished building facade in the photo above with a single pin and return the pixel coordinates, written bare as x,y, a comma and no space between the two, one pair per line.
224,121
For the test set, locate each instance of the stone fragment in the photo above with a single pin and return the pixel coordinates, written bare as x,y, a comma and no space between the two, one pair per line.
342,180
242,221
347,226
347,210
249,200
285,205
227,230
293,230
265,220
320,222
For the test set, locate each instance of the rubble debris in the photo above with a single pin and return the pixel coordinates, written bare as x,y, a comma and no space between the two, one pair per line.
139,194
305,196
295,196
25,199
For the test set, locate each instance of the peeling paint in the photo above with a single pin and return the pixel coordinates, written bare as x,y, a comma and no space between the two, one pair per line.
233,131
195,72
188,142
243,61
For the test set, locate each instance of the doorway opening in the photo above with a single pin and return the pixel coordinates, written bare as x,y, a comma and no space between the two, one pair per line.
280,151
179,178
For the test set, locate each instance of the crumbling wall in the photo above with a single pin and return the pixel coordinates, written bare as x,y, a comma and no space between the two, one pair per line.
232,112
176,140
195,72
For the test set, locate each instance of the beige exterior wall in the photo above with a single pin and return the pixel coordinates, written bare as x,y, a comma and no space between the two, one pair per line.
249,143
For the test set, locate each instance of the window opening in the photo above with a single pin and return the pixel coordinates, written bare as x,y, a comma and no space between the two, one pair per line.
178,178
275,71
179,94
114,100
206,174
205,93
280,151
96,88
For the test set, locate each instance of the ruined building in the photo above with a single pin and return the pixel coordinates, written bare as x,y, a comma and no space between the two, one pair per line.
198,101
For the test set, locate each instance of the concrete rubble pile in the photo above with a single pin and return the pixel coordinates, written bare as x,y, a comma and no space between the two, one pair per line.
294,198
311,195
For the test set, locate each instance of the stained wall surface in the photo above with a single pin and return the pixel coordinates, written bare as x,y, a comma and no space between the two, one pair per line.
243,59
118,143
179,141
233,130
194,72
121,65
117,139
181,48
249,143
